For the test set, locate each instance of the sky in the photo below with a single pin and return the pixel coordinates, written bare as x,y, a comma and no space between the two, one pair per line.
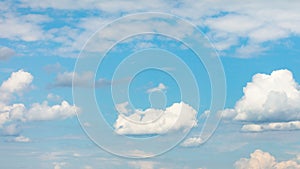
149,85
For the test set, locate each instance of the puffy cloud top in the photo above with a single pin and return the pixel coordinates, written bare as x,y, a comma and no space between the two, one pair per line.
259,159
179,116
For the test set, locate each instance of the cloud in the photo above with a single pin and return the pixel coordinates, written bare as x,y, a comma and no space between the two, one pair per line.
59,165
192,141
26,27
65,79
272,99
157,121
6,53
161,87
45,112
17,112
278,126
17,83
138,164
259,159
11,130
123,108
22,139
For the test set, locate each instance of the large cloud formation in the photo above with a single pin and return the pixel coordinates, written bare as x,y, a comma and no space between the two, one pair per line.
15,85
270,102
177,117
264,160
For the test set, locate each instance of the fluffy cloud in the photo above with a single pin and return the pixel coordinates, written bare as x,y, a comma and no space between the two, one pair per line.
272,99
15,85
6,53
156,121
259,159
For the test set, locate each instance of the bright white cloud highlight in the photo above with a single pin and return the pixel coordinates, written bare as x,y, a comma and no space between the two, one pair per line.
179,116
17,83
272,99
259,159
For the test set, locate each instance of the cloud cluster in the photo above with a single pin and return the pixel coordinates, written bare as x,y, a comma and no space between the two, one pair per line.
242,26
270,101
17,112
259,159
177,117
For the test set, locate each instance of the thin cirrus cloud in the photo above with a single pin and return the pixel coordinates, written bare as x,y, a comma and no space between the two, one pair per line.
261,159
270,102
177,117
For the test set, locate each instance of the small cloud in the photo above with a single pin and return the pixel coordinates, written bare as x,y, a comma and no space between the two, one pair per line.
161,87
192,142
22,139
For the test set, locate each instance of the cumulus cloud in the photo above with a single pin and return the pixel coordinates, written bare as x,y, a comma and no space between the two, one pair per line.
17,83
259,159
272,99
18,112
6,53
179,116
159,88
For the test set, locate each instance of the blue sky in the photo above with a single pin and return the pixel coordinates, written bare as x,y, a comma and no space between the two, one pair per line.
149,80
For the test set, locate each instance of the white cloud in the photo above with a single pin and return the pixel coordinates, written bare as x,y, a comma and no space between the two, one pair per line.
282,126
22,139
6,53
17,83
161,87
59,165
138,164
228,23
45,112
26,27
156,121
270,99
259,159
192,141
